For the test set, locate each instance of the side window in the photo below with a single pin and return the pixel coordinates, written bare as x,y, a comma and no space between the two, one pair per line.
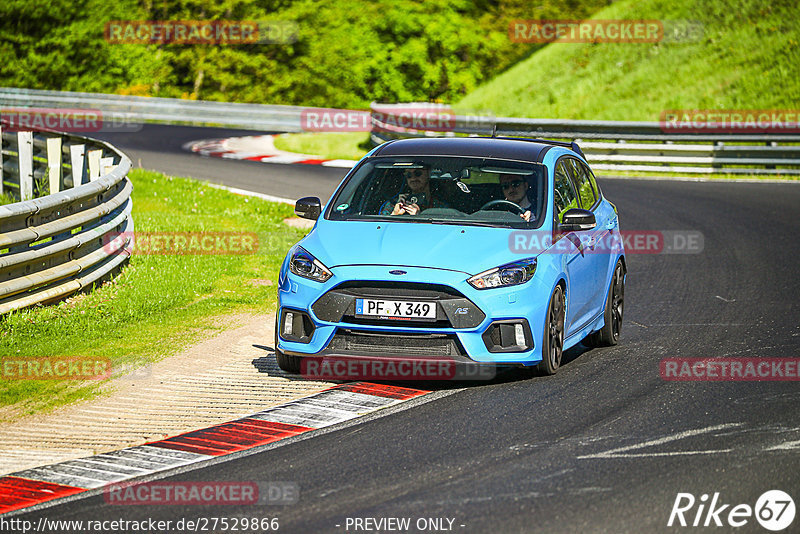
564,195
583,183
590,174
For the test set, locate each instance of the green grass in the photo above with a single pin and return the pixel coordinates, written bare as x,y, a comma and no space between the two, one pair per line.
334,145
6,198
748,58
159,303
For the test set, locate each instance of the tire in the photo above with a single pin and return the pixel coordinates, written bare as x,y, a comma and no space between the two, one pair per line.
290,364
612,315
553,339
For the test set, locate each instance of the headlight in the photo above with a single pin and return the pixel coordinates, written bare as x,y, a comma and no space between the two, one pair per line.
511,274
302,263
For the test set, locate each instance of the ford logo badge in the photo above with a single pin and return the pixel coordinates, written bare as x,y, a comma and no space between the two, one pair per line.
398,272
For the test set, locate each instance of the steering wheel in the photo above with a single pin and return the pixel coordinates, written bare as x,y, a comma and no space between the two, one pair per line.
503,205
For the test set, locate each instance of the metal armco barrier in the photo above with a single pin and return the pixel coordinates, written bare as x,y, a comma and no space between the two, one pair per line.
608,145
62,242
621,146
120,111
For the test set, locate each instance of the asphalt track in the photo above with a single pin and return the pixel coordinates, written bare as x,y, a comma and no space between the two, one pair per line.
160,147
603,446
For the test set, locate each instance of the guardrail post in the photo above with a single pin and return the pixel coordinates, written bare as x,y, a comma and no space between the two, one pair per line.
94,164
106,164
25,162
76,156
770,143
54,163
714,164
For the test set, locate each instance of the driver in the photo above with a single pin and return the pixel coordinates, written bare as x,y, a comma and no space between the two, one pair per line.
515,189
419,199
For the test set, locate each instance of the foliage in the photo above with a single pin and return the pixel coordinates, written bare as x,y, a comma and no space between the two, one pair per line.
347,53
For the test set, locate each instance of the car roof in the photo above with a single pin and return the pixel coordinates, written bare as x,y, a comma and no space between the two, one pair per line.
487,147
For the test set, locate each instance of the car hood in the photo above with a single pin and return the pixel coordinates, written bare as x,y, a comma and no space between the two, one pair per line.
467,249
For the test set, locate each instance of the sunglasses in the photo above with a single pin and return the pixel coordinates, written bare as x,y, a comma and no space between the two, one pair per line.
515,183
415,173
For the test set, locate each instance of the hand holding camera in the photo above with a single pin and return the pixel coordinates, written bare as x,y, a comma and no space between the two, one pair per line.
406,204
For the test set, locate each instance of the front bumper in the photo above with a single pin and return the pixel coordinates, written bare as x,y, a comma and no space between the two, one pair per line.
475,326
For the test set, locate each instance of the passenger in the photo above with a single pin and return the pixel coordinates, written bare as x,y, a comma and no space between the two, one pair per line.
419,199
516,189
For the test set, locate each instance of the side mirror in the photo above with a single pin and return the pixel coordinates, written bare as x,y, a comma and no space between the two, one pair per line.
576,220
308,208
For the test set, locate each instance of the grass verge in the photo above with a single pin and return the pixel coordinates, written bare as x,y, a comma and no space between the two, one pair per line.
6,198
330,145
747,57
159,303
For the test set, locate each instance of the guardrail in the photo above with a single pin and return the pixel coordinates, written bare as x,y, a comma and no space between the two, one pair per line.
608,145
620,146
124,109
68,239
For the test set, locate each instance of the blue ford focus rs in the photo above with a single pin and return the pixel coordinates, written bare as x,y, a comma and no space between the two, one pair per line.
494,251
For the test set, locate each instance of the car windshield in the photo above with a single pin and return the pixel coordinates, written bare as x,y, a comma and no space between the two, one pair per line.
443,190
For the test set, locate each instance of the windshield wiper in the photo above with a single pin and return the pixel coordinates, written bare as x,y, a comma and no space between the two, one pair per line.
422,220
465,222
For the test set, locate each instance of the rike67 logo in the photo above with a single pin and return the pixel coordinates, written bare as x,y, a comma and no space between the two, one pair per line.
774,510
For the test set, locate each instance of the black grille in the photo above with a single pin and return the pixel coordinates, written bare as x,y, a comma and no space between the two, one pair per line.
389,345
407,290
441,323
453,309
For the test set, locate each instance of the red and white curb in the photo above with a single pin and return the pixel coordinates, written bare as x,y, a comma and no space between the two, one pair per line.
259,148
337,404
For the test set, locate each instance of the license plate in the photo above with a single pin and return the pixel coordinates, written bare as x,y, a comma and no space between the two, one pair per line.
396,309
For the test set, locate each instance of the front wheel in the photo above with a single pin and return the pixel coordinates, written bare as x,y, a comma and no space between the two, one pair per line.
609,334
290,364
553,340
